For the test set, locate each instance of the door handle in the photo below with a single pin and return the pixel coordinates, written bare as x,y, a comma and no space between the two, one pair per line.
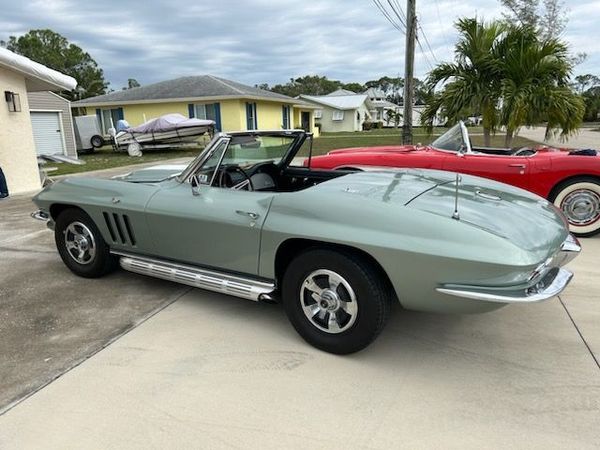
520,166
252,215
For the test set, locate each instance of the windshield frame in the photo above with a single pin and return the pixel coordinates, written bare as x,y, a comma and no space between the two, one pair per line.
466,141
199,161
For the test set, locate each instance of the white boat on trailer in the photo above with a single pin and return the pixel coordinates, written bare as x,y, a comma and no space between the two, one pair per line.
168,131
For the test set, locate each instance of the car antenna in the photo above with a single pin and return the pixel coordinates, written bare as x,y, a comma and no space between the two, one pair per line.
455,215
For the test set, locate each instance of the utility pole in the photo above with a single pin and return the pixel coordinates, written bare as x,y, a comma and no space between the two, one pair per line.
409,63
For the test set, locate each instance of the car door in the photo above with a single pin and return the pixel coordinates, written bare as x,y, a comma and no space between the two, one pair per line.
218,228
513,170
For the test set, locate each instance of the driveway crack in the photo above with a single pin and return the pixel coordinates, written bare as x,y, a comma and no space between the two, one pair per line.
579,332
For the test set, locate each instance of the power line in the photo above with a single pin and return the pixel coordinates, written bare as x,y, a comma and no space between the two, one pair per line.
426,41
387,15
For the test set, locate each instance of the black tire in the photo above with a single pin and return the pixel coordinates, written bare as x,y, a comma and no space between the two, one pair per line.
97,141
586,191
371,292
101,263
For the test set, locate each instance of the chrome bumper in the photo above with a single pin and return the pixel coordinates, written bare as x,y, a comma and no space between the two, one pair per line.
551,278
531,295
44,217
41,215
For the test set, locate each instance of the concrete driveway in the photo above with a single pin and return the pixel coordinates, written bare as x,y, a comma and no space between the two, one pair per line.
585,138
209,371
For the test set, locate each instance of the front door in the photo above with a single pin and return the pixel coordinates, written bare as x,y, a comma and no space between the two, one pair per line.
305,120
513,170
219,228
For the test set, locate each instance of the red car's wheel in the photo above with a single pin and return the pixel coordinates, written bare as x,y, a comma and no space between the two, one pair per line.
579,200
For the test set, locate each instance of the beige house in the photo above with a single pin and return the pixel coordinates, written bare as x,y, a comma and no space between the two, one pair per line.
341,110
18,76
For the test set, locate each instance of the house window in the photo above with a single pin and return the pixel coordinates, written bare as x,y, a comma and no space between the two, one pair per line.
206,111
109,117
318,113
251,122
337,115
285,113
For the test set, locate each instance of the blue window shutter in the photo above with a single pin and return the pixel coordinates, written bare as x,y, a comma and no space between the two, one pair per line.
284,117
99,115
255,116
120,114
218,117
191,110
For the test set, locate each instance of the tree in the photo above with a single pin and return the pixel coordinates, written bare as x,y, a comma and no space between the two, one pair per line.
535,84
473,80
307,85
548,18
354,87
132,83
509,75
585,82
393,116
55,51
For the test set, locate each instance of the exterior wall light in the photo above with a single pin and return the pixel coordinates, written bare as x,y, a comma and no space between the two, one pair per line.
13,100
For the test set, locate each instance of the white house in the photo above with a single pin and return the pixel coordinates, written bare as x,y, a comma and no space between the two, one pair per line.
18,76
341,110
379,107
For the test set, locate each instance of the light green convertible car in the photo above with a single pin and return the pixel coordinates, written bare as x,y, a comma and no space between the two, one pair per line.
249,218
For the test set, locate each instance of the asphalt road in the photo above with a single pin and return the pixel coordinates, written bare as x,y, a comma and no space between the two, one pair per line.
180,367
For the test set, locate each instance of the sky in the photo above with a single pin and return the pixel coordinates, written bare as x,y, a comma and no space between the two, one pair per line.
266,41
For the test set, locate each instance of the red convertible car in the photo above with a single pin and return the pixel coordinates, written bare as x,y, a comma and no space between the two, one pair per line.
571,180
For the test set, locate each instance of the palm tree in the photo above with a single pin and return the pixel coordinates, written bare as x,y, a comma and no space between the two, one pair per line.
473,80
535,84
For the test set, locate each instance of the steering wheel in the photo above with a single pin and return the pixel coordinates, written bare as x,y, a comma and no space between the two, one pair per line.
226,180
524,151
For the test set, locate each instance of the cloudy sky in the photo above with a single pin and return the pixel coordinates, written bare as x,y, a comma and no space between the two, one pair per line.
256,41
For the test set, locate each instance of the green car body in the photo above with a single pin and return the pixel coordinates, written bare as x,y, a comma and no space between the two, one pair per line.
444,243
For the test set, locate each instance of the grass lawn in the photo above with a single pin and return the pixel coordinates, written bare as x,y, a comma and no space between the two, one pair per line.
106,158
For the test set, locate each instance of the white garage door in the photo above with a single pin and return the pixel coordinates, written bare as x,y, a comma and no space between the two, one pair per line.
47,133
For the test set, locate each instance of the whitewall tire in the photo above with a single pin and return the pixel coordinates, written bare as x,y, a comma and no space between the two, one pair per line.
579,200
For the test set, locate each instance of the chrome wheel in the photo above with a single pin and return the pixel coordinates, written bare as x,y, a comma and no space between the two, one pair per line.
328,301
80,243
581,207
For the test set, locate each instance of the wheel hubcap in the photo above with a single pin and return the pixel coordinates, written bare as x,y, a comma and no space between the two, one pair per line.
328,301
80,243
582,207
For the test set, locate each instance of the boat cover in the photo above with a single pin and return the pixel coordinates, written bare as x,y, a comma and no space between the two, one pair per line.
170,122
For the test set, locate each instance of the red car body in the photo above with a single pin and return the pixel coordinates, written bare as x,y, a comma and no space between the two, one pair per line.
545,171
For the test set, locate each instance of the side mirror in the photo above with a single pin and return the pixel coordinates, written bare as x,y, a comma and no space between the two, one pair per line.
195,183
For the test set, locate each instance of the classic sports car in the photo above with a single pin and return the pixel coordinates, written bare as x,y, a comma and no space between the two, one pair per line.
246,218
571,180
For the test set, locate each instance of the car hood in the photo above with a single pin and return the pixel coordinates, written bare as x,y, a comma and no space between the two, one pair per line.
525,219
154,174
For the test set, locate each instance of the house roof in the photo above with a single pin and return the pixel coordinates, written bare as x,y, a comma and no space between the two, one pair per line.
340,92
185,88
375,93
37,76
343,102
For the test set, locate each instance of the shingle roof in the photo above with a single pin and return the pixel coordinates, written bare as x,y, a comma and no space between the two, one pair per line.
185,87
353,101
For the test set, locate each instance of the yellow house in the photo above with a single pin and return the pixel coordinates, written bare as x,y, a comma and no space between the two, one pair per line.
232,105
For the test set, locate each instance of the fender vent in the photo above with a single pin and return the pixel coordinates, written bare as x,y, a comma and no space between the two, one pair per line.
119,228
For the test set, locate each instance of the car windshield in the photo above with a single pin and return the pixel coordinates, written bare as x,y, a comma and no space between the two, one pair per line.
247,151
453,140
241,150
